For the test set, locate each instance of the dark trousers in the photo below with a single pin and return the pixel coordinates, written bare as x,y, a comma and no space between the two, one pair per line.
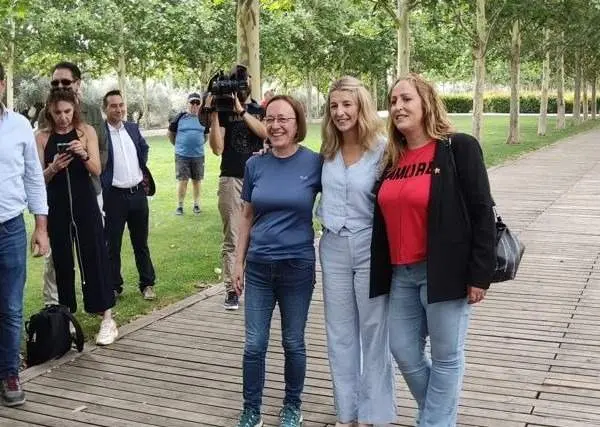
128,206
90,249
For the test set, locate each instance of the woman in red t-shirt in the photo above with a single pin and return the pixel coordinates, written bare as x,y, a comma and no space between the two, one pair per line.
433,245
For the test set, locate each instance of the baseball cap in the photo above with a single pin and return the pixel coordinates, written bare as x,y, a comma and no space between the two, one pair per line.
194,96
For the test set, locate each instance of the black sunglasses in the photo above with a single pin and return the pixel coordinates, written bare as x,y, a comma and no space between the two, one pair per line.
195,102
63,82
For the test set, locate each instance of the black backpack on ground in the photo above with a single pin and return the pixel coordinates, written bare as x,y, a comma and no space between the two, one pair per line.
49,335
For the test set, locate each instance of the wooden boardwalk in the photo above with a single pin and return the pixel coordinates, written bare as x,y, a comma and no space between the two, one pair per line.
533,353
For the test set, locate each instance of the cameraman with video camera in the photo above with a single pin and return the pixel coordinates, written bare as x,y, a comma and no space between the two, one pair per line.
236,131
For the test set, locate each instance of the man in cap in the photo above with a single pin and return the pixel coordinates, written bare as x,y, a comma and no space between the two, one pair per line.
187,134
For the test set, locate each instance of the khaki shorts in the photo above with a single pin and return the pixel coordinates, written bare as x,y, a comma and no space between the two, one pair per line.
189,167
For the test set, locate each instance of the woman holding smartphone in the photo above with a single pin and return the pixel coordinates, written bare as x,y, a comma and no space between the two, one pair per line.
68,150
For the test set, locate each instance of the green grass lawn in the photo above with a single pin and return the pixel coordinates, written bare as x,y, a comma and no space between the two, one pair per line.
185,249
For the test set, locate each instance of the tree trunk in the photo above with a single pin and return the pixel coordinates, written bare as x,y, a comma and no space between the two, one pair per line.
308,97
145,109
577,91
594,100
584,103
374,91
543,119
248,47
403,61
10,69
560,87
479,65
122,77
515,69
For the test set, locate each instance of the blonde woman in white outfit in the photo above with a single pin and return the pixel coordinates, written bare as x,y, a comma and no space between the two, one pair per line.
356,325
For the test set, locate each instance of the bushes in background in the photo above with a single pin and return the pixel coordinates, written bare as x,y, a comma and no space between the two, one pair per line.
458,103
494,103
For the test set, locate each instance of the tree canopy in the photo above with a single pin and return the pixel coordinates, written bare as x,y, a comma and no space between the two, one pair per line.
304,42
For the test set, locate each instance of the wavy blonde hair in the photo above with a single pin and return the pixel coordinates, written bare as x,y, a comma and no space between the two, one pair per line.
435,119
369,123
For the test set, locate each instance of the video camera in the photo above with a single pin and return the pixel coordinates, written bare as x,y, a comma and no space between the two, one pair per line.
221,87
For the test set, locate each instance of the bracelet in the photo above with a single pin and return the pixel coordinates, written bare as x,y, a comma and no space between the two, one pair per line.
242,113
86,158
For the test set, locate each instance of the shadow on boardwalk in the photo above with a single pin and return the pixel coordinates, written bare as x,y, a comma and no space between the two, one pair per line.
533,353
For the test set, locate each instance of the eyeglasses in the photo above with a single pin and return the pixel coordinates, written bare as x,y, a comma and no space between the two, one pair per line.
280,120
195,102
62,82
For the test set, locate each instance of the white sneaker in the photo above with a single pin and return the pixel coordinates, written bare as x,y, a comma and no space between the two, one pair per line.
108,332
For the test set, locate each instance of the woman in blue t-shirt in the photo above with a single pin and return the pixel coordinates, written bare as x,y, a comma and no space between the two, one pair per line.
276,245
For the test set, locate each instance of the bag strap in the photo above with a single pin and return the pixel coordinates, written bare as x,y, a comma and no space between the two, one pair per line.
453,162
79,339
176,120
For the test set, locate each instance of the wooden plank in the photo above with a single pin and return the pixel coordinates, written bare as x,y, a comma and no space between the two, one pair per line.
22,414
119,415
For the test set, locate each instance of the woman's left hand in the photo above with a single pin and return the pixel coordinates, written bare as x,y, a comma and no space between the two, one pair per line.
475,294
76,147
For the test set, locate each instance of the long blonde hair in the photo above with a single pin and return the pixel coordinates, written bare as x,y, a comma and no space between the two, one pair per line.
435,119
369,123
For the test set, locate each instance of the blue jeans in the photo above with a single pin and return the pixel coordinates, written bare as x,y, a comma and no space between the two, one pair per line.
13,252
434,382
290,283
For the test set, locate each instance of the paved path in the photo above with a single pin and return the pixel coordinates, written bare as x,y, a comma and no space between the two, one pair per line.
533,353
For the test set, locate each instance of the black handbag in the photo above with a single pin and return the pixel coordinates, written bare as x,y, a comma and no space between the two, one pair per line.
509,249
49,335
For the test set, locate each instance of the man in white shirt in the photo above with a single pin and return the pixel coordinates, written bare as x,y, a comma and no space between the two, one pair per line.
22,183
125,200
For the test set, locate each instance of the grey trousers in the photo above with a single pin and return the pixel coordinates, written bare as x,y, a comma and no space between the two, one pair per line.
357,331
49,277
230,205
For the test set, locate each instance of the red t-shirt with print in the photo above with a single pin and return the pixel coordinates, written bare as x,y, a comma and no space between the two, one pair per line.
404,199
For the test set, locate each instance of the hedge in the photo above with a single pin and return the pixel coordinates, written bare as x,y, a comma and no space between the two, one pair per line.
501,104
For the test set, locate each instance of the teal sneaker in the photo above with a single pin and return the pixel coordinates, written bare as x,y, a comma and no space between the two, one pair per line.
250,418
290,416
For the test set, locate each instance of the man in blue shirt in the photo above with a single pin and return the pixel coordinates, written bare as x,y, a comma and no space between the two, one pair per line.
22,183
186,133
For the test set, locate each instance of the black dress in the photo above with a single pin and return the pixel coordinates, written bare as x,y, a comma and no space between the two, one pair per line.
75,224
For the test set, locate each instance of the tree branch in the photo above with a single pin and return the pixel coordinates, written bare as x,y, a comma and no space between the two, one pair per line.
469,30
391,11
493,23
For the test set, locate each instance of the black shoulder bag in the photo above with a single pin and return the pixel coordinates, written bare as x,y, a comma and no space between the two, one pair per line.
49,335
509,249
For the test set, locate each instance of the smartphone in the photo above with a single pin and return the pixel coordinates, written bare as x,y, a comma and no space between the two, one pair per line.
62,147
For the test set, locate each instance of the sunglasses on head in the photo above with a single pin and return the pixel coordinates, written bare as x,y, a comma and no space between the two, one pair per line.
195,102
62,82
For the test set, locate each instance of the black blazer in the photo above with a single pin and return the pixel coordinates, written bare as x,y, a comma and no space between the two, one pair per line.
460,225
141,147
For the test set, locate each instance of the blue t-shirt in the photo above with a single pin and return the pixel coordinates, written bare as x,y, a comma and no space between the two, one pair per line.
189,139
282,192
